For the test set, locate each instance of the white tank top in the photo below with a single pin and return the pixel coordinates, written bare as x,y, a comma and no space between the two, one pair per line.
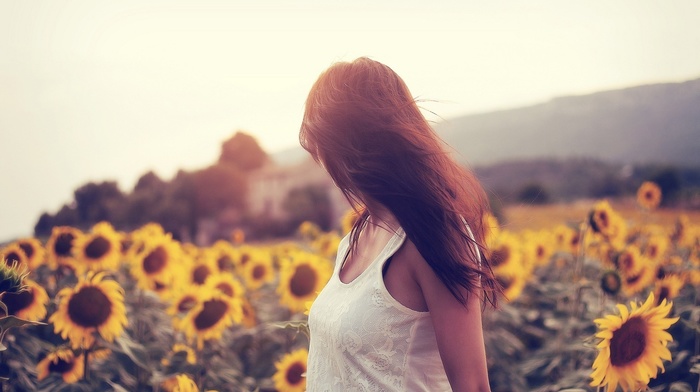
362,339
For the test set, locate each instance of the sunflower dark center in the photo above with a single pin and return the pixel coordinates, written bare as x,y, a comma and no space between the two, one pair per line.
660,273
628,342
225,263
155,261
200,274
212,312
97,247
259,272
16,302
186,304
575,239
61,366
649,195
64,244
225,288
294,373
245,257
652,251
12,257
303,281
611,283
90,307
603,220
540,251
499,256
504,282
27,248
634,278
625,262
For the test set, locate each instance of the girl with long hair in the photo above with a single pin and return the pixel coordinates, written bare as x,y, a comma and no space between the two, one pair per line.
402,311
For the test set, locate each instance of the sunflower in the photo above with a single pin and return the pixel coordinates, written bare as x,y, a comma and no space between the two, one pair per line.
155,264
668,287
189,357
180,383
567,239
227,284
538,247
201,271
99,250
309,230
29,304
611,282
247,253
12,277
291,369
225,255
649,195
629,260
605,220
636,281
12,254
257,272
94,305
182,301
512,284
656,247
604,252
59,247
210,317
633,346
301,279
34,251
505,254
138,238
326,244
63,362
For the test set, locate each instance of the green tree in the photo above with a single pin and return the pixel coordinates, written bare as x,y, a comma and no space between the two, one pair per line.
243,152
216,188
309,203
98,201
669,180
533,193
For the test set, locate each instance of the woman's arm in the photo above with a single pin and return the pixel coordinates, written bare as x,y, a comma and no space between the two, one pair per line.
458,329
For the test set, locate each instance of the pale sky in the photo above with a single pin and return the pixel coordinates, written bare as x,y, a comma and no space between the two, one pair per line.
107,90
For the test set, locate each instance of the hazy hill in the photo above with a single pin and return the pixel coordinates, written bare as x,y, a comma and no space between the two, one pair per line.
658,123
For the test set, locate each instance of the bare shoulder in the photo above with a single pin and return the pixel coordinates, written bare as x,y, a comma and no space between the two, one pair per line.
411,258
417,266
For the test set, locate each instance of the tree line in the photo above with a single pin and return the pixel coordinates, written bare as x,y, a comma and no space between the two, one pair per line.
178,205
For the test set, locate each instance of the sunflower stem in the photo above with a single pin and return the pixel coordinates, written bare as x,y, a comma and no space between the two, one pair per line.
139,335
86,358
578,268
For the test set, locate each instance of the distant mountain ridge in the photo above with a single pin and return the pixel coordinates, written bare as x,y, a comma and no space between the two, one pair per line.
655,123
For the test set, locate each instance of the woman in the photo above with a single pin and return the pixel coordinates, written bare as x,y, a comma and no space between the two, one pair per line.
402,309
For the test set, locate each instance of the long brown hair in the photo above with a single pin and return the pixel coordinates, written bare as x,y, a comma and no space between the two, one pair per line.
362,124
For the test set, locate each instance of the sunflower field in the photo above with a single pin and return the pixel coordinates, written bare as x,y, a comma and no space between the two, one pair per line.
600,303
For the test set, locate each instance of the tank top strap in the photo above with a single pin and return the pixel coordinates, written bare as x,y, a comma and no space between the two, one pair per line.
392,246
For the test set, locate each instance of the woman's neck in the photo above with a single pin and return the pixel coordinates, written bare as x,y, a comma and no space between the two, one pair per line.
380,216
